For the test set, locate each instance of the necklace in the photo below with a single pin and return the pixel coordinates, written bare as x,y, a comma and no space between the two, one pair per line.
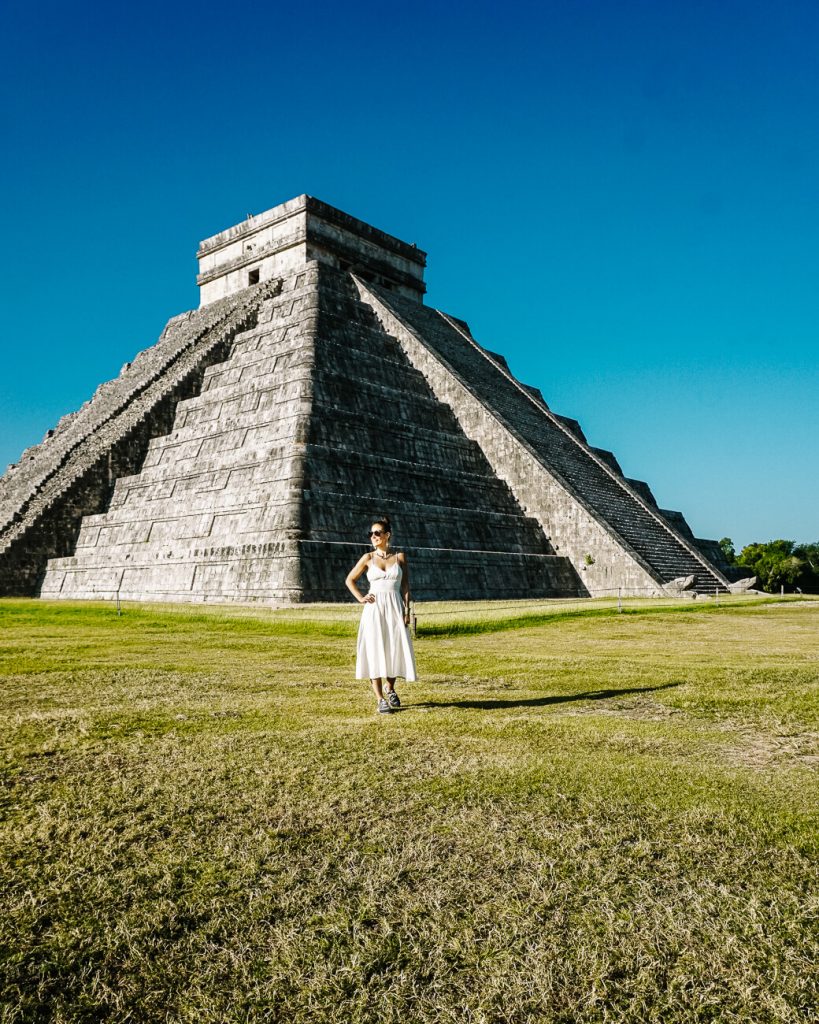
387,554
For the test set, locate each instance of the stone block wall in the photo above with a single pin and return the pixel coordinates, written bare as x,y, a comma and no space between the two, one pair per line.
280,241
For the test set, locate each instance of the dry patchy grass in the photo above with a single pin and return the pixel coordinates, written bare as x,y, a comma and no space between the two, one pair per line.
579,816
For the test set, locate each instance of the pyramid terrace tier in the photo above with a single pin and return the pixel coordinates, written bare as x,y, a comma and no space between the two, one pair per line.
370,433
334,516
293,571
328,515
446,574
273,508
389,481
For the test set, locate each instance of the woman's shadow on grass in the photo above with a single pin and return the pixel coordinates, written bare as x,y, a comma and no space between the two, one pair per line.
540,702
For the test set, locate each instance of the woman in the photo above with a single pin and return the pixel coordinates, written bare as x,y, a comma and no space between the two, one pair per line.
384,644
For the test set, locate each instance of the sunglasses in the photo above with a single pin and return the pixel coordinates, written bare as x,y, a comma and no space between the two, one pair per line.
377,533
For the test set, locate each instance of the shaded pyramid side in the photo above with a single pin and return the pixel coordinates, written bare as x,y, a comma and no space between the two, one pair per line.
613,536
380,442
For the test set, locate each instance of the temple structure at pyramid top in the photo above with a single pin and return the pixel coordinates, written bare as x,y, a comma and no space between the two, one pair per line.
278,242
244,455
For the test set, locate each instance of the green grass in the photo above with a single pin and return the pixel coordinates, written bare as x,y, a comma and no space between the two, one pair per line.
579,816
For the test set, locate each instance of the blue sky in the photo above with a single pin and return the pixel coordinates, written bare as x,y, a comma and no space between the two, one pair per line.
620,197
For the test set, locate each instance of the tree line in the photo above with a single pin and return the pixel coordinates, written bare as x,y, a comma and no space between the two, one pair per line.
778,563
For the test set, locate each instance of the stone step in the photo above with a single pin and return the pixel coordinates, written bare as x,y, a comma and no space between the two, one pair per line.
391,404
366,432
150,491
247,409
445,574
338,516
340,469
222,576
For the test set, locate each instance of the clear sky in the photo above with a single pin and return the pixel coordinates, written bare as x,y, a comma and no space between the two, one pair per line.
620,197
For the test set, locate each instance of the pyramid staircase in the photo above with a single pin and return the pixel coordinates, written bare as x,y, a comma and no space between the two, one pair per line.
566,475
44,496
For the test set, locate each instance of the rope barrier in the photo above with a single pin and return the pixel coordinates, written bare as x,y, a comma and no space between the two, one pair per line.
552,603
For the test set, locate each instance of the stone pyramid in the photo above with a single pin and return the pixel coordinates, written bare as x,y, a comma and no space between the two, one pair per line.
244,455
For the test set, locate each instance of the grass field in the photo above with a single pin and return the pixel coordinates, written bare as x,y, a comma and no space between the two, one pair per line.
578,816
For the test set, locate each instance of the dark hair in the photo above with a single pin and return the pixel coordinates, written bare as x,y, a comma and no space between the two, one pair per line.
384,523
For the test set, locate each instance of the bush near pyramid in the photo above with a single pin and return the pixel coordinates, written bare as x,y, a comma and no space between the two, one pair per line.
243,456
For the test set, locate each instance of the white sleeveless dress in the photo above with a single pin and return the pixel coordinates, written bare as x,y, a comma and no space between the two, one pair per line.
384,642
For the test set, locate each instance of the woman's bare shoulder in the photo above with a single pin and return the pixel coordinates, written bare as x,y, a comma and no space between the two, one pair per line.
361,563
402,557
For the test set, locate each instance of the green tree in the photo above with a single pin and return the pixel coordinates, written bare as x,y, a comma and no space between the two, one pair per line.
780,563
728,550
810,553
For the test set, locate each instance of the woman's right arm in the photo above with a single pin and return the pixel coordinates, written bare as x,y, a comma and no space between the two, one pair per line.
353,575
